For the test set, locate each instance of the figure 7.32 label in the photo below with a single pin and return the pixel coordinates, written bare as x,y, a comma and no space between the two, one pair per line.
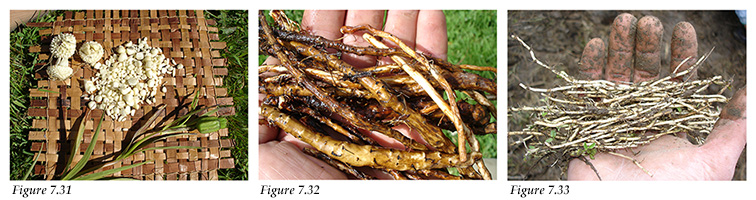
273,192
523,192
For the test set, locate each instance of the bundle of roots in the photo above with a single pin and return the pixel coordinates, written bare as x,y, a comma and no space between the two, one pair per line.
329,104
585,117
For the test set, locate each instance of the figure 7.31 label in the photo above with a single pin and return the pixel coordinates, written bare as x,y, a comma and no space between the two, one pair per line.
26,191
523,192
273,192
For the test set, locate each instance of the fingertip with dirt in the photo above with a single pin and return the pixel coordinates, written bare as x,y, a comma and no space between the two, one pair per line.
684,45
621,48
648,49
593,60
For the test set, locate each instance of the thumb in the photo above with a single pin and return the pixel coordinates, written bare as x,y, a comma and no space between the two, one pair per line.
266,132
728,138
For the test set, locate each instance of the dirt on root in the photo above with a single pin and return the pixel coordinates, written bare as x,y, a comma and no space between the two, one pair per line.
558,39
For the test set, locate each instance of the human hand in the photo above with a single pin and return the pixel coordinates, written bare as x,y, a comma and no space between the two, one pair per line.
634,55
280,153
18,17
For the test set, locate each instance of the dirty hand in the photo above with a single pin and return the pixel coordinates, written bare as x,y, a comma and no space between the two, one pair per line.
280,154
634,56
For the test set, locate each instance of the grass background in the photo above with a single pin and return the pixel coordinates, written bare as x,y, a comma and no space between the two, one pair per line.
472,40
22,64
233,29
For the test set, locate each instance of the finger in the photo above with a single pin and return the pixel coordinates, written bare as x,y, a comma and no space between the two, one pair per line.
374,18
388,142
735,110
648,49
621,45
267,133
593,60
283,136
283,160
411,133
431,35
271,61
325,23
728,138
684,45
402,24
22,16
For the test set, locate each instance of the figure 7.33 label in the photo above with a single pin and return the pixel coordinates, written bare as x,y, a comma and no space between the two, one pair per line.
551,189
273,192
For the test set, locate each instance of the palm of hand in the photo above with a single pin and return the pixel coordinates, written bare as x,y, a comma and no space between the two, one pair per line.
669,157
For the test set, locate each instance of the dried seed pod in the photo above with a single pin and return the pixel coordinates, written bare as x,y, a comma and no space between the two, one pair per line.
207,124
60,70
91,52
63,46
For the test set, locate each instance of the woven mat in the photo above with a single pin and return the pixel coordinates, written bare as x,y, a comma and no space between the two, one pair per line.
183,36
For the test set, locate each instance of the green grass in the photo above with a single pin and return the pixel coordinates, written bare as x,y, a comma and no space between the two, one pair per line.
294,15
22,64
472,40
233,29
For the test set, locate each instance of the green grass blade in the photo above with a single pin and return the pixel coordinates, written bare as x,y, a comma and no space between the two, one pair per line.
87,153
195,101
146,141
150,120
31,168
77,140
185,118
144,127
208,113
178,129
117,179
171,147
129,148
192,107
98,175
50,91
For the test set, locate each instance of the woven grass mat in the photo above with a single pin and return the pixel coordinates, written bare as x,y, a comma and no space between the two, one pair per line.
184,36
